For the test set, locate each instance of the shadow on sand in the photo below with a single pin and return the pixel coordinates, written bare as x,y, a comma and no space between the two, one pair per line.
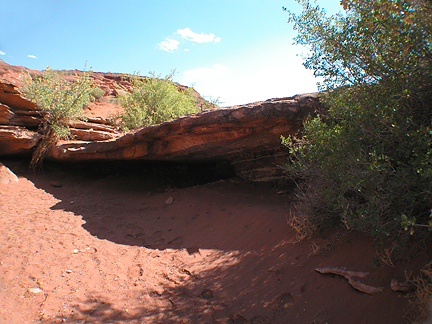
252,272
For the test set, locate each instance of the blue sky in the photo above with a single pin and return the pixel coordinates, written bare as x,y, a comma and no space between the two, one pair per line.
236,50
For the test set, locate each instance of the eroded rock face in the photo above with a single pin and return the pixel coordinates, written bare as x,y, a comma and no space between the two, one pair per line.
16,140
248,136
213,134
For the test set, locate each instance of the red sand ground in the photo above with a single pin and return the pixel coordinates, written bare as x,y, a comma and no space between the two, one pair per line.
100,245
127,248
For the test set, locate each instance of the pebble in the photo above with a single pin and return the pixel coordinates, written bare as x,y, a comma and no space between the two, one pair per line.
55,184
35,290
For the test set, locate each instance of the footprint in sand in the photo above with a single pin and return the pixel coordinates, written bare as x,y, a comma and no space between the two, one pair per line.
283,301
154,239
177,242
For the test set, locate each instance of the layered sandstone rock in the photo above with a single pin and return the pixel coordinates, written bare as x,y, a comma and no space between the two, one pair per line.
248,136
17,140
213,134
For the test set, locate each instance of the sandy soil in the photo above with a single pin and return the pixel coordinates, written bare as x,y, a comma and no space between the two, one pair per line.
104,244
131,243
104,109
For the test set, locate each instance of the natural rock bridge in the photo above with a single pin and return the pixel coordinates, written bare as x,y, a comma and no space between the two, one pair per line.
247,136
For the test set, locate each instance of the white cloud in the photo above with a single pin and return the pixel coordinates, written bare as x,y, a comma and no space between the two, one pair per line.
32,56
260,83
2,53
205,73
261,73
168,45
198,38
186,50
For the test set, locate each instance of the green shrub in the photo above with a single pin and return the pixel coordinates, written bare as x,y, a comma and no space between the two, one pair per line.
60,101
210,103
97,93
368,159
153,101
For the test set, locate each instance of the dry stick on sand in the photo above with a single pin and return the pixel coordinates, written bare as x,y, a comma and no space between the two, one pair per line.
350,275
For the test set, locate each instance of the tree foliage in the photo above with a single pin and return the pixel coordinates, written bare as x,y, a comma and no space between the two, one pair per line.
60,101
369,157
154,100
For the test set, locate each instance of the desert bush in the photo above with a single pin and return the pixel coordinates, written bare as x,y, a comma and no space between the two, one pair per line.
421,298
60,101
153,100
63,72
372,149
210,103
97,93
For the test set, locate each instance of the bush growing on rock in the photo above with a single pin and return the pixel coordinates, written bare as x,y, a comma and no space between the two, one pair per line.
61,101
368,159
154,100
